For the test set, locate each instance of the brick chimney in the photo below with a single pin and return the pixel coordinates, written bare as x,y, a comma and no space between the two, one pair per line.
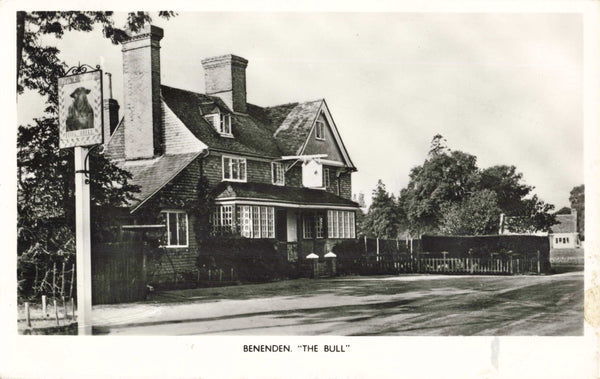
141,89
225,77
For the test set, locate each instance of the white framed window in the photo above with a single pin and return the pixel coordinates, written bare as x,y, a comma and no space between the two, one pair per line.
277,173
256,222
221,122
340,224
320,130
326,183
177,228
234,169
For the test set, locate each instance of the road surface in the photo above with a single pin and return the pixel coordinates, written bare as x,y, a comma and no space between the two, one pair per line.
422,305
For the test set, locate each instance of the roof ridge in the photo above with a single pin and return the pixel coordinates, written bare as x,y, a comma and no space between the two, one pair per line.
294,103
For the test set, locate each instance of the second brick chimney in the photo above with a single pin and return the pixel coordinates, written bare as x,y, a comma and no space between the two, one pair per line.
141,90
225,77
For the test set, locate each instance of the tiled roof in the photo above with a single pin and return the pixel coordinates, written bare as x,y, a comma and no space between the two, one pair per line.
250,136
566,224
294,195
153,174
294,122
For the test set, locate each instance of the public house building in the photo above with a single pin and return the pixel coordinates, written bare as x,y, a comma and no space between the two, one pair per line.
280,172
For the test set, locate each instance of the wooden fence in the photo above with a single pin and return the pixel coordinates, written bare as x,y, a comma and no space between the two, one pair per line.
118,272
405,264
371,256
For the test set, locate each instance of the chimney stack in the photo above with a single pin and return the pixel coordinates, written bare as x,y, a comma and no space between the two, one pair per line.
141,89
225,77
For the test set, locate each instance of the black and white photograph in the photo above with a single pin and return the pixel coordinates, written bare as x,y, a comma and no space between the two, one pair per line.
297,184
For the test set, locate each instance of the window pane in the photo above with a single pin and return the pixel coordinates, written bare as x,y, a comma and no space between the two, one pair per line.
235,169
264,227
182,221
330,224
256,223
271,222
172,218
226,168
352,228
242,169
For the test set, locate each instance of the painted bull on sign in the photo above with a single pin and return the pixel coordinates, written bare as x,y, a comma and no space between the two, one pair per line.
81,114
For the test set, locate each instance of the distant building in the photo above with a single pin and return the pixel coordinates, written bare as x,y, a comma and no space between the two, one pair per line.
564,234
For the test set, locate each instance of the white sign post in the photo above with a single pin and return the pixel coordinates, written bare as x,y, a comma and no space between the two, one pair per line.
83,242
80,126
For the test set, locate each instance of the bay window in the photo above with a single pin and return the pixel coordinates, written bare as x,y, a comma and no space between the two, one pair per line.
340,224
256,221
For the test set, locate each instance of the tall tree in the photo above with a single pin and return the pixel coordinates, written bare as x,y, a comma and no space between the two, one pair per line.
577,199
45,185
445,177
382,220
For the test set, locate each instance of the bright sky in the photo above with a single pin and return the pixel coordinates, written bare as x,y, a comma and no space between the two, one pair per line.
506,88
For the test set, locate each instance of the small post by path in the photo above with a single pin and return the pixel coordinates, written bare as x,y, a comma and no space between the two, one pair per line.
27,314
538,262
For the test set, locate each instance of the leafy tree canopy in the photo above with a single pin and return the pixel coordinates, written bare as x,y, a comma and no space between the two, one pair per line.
450,180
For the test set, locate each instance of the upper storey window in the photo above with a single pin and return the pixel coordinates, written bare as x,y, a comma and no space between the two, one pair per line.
234,169
320,130
277,173
221,122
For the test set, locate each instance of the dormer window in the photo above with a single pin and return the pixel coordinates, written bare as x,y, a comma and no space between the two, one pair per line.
221,122
320,130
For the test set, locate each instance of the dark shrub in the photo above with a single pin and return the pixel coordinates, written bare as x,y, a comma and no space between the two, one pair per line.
350,257
252,260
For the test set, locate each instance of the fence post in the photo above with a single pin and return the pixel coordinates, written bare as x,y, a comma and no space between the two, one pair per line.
54,281
56,312
44,310
64,307
27,314
72,280
62,282
366,249
377,249
538,262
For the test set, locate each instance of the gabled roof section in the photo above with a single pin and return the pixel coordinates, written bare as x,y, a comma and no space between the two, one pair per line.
289,195
153,174
293,124
250,136
566,224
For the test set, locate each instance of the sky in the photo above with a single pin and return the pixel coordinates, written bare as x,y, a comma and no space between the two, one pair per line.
506,88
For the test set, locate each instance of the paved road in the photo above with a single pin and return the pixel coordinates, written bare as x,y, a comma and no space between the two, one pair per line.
401,305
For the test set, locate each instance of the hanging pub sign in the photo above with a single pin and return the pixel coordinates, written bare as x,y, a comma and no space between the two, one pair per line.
80,108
